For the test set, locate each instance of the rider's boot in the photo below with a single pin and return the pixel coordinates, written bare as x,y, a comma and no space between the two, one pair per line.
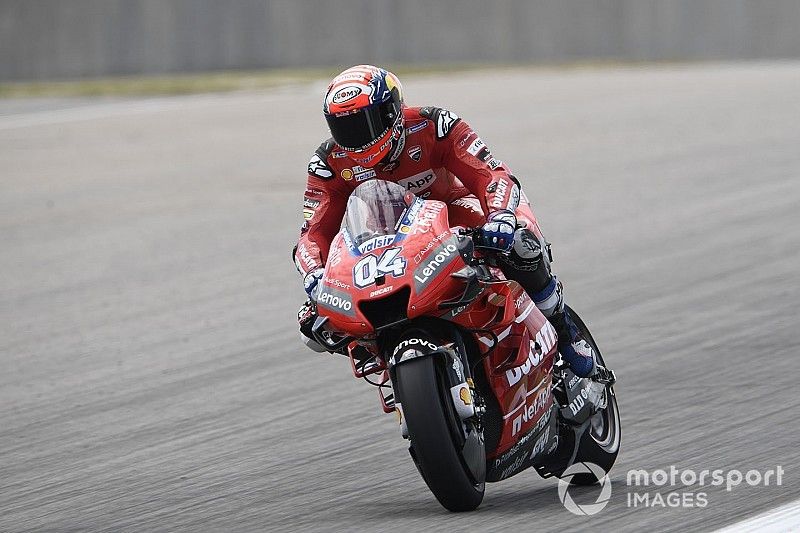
529,264
575,349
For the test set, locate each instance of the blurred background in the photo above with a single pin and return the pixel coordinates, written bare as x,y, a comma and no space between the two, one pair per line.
153,158
57,39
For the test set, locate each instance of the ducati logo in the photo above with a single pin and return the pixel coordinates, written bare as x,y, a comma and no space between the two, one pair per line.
415,153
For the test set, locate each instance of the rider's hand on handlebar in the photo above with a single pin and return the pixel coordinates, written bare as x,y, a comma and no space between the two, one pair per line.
311,282
498,232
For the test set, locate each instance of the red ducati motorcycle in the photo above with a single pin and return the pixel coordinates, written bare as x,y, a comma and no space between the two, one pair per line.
461,354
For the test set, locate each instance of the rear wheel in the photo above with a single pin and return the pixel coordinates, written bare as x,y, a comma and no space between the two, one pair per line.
601,440
436,435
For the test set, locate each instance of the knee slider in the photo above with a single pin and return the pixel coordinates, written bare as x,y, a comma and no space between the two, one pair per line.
527,251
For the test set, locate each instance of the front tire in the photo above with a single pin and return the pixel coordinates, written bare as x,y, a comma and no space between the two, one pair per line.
434,430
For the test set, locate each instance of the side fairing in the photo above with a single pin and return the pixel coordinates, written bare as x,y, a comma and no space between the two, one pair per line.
520,374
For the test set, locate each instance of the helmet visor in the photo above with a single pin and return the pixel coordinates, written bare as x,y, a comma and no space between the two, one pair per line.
361,129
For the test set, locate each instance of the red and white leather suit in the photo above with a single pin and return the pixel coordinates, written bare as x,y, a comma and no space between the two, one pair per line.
443,158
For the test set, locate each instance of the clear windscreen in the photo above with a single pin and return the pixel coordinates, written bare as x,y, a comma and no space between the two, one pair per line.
374,209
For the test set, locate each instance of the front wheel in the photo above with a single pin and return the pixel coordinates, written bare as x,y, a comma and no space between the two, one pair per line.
436,435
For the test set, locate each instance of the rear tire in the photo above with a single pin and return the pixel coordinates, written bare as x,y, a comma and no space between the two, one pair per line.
432,427
601,440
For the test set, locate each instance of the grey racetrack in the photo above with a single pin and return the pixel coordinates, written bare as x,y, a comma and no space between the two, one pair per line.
151,377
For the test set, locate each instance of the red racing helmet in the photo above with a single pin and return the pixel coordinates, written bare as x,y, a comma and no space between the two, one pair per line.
364,110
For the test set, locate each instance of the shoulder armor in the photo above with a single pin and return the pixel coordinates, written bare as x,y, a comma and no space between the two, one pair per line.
318,165
444,120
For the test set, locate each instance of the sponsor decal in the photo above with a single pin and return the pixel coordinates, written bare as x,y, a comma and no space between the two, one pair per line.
371,267
425,219
476,146
333,282
346,93
539,402
577,404
513,203
445,123
335,255
396,132
455,312
416,127
380,291
540,443
484,155
500,194
347,174
428,247
494,163
543,421
336,300
306,257
545,340
491,187
472,204
339,155
348,241
308,214
376,242
466,137
319,168
310,203
437,262
418,182
415,153
410,215
349,76
399,134
573,381
514,449
367,174
465,396
414,343
457,368
513,467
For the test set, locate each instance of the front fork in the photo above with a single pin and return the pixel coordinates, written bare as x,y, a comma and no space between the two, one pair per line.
467,403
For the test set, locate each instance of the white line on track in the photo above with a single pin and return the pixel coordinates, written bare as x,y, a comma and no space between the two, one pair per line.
783,518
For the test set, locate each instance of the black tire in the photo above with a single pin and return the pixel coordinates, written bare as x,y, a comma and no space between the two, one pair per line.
431,426
600,443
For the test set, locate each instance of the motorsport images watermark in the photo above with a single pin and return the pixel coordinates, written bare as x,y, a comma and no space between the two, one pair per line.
672,487
685,483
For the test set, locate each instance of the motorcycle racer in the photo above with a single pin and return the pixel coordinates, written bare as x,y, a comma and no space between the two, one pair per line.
435,154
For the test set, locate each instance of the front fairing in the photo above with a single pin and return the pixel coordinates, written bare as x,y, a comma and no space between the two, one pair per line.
413,266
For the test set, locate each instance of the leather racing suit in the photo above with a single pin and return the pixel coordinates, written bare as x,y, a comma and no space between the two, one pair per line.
444,159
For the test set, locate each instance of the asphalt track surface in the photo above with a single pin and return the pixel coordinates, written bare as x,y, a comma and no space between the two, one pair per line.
150,373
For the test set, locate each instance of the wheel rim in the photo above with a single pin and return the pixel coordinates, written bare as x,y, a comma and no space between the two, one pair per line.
604,425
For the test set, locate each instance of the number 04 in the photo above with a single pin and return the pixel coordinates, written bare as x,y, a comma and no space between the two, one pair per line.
370,267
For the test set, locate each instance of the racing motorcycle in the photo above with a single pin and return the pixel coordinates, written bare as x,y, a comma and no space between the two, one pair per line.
461,355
